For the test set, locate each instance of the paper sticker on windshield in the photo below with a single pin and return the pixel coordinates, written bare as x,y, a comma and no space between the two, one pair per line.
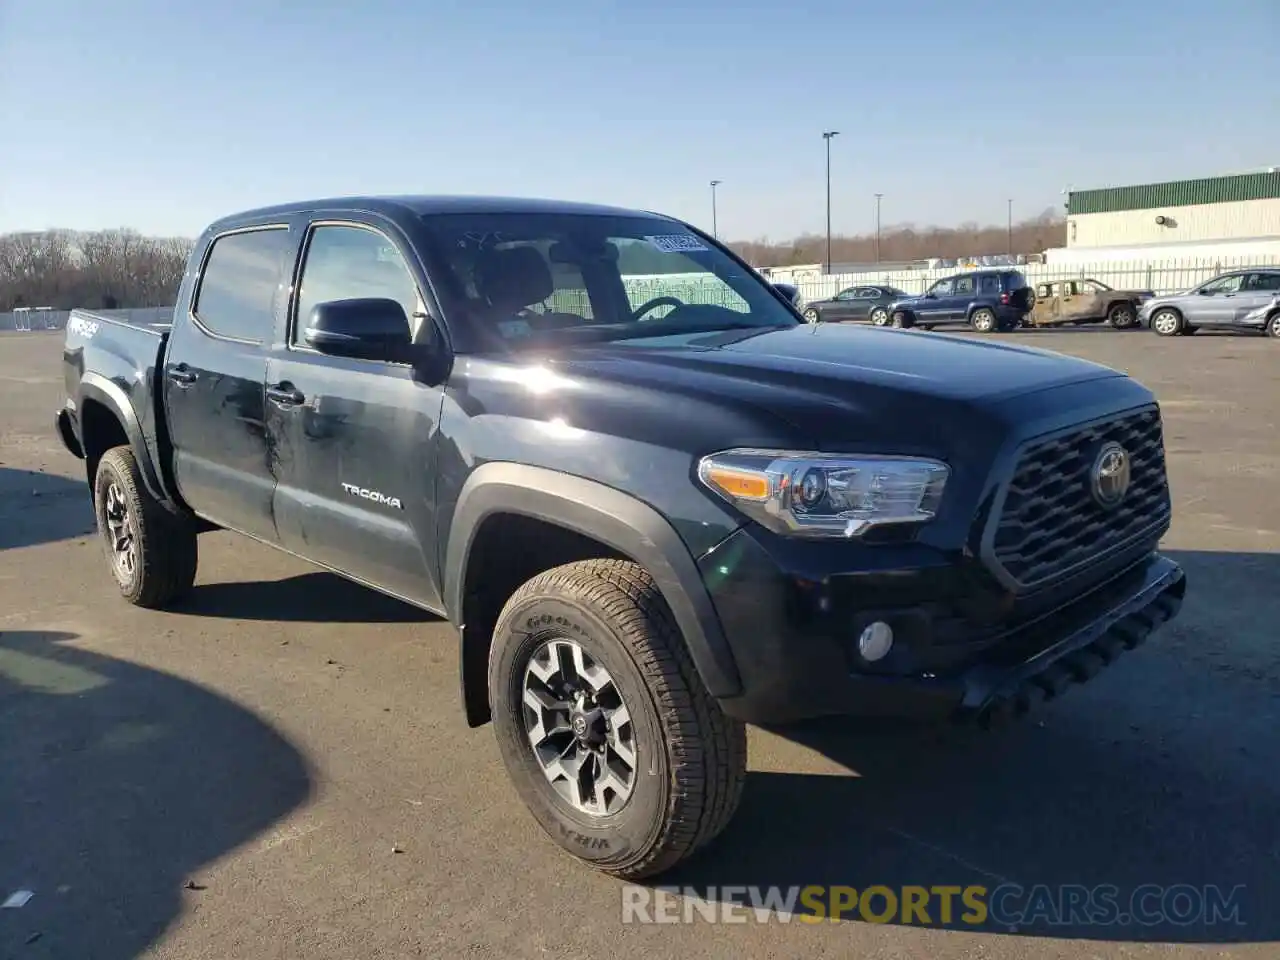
678,243
515,328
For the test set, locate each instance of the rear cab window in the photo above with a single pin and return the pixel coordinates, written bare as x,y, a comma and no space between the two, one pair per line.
242,284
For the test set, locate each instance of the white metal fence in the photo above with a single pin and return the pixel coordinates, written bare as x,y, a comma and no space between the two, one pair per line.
35,319
1161,276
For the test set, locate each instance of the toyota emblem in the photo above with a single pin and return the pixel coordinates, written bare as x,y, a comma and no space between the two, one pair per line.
1109,478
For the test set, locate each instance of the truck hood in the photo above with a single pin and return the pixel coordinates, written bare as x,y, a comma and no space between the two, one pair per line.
835,382
838,359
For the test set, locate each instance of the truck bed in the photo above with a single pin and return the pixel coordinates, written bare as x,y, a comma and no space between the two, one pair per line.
114,363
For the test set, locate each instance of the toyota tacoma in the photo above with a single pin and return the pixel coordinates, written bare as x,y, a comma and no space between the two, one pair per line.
651,517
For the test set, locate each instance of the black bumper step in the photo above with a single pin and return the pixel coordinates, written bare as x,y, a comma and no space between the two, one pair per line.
993,702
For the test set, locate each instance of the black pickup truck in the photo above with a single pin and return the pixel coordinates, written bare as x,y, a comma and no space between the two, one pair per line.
654,510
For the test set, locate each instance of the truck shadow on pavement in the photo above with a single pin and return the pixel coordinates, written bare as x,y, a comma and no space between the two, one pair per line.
317,597
38,507
1160,778
117,785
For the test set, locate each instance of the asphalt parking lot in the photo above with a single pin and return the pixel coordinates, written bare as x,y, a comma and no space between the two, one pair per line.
280,768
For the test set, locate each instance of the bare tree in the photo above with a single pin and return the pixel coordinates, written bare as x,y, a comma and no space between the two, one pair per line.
909,242
104,269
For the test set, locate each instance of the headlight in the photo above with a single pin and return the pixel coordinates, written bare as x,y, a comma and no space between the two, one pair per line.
819,495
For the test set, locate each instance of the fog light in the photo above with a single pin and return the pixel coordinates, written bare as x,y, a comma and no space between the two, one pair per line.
876,641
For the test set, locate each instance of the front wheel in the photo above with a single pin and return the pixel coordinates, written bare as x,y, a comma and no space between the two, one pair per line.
811,316
603,724
1167,323
153,553
1273,325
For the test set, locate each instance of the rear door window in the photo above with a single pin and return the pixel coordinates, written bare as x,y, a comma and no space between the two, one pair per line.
989,284
1263,282
242,283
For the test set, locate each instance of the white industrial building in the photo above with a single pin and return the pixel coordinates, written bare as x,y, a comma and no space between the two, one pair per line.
1229,216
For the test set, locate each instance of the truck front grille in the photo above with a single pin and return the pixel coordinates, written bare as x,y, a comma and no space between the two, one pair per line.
1051,522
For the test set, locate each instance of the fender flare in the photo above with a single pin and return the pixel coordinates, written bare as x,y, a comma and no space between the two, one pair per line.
614,518
99,389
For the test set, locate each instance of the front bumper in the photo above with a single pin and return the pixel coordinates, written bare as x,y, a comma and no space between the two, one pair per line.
797,658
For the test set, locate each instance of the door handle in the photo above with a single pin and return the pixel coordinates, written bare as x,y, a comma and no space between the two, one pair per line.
181,375
285,394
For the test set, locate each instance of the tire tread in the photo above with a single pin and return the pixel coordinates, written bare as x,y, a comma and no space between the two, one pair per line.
167,545
707,750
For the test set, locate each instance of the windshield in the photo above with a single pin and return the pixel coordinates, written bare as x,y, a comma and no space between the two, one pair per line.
524,279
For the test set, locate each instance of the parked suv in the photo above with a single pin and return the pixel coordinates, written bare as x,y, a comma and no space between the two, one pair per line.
986,300
1239,300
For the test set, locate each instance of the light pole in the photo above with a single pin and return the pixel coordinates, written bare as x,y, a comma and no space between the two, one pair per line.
879,196
827,135
714,230
1011,226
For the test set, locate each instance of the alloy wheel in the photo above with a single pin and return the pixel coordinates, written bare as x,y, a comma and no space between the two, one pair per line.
120,533
579,728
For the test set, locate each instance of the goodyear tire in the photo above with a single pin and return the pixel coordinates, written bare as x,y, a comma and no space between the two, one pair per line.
152,553
603,724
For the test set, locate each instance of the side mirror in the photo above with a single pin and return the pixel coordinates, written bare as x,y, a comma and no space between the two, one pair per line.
370,328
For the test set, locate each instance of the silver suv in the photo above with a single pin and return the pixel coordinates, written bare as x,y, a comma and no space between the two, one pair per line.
1240,300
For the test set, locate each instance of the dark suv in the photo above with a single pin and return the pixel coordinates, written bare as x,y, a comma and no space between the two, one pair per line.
986,300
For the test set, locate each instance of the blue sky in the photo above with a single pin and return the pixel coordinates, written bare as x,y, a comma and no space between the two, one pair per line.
164,115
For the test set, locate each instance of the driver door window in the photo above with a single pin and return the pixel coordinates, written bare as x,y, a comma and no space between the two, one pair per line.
942,288
348,262
1222,285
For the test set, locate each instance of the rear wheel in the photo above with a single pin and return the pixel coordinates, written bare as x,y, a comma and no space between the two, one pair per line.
983,320
152,552
1273,325
1122,316
901,319
880,317
605,729
1167,323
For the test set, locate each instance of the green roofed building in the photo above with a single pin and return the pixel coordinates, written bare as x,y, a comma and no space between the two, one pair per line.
1243,206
